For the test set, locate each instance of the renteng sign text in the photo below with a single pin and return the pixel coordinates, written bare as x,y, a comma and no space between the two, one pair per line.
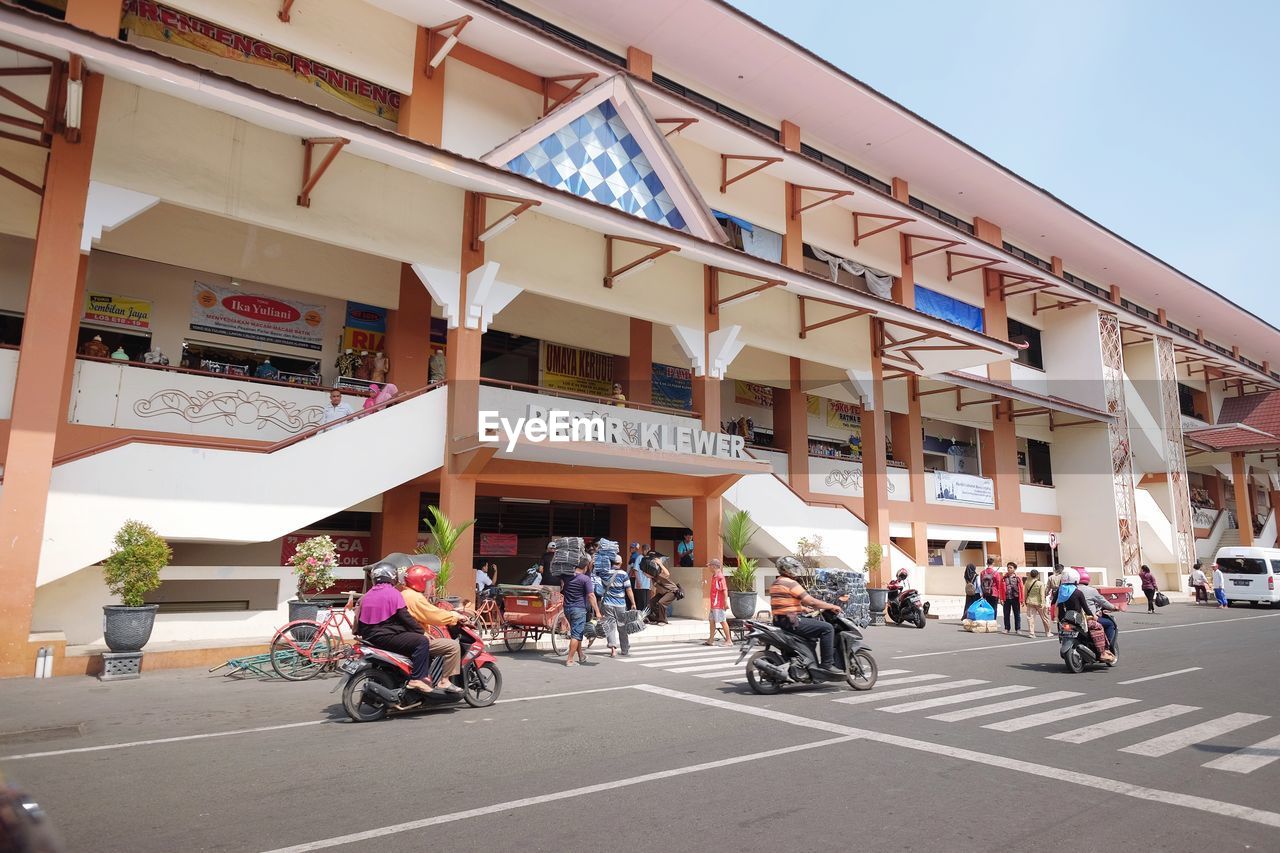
541,425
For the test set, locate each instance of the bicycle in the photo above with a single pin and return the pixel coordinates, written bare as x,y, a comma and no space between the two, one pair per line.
488,618
304,648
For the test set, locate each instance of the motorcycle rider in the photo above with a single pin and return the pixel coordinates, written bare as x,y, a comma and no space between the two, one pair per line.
414,592
788,600
384,621
1099,604
1071,597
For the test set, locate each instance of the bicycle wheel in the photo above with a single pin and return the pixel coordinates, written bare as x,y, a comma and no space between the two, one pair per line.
298,660
514,636
560,634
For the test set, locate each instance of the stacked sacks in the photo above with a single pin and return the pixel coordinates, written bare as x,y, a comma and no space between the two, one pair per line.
831,585
568,552
606,550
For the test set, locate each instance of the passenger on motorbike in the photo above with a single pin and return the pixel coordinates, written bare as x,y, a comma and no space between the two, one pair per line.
414,589
1098,602
384,621
788,601
1071,597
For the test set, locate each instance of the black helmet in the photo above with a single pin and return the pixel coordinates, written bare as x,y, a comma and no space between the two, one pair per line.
388,569
788,566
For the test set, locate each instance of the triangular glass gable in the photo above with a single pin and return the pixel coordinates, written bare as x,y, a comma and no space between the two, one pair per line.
595,156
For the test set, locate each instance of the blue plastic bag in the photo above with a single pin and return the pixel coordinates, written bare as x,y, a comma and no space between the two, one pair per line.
981,611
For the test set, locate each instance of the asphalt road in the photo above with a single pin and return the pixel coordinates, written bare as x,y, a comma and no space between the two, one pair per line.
970,742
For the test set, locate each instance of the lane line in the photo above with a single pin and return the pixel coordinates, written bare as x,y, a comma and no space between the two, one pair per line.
702,667
953,699
1001,707
910,679
208,735
570,794
737,670
1043,718
872,696
1161,675
1250,758
1123,724
1055,639
1192,802
1174,741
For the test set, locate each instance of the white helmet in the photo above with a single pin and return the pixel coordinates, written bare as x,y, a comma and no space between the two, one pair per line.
1070,576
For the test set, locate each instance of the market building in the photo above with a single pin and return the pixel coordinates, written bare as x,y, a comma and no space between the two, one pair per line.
823,310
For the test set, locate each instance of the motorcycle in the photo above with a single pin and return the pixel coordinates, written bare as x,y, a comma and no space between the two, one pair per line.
1076,645
785,658
904,605
375,680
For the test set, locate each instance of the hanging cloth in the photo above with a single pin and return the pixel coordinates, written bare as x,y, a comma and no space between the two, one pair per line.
879,283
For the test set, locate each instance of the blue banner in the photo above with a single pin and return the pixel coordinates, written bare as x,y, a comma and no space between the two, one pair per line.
947,308
672,387
371,318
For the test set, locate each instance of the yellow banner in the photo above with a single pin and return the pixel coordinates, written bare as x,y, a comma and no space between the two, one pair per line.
844,416
752,394
117,310
153,21
362,339
577,370
813,404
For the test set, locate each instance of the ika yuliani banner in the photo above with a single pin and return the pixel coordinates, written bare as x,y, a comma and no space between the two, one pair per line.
229,311
153,21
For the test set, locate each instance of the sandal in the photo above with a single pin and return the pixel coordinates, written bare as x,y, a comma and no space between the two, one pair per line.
452,689
422,686
708,643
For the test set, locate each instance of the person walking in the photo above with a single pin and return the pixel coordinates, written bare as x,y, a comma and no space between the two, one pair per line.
1009,590
1149,587
639,578
1051,590
988,585
719,604
1199,583
970,586
618,599
664,591
1033,593
1220,587
579,594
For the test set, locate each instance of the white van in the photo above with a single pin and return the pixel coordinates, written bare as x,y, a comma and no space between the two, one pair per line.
1252,574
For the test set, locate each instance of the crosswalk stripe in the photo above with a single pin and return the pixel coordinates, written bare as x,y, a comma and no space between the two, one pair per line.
1001,707
1123,724
1250,758
910,679
872,696
702,667
1017,724
675,653
953,699
885,672
741,680
737,670
1174,741
675,659
690,659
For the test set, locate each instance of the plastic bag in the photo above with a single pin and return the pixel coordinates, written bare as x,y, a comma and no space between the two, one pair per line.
981,611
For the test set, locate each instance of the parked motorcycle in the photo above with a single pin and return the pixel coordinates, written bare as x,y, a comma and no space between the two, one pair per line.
375,680
1076,645
785,658
905,606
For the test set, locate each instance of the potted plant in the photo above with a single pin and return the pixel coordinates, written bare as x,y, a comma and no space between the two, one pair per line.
879,596
138,554
444,538
738,530
313,563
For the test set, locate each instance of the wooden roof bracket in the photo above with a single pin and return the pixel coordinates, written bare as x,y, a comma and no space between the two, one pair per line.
441,39
285,7
952,272
680,124
612,273
551,100
943,244
482,230
797,193
760,163
717,301
894,222
806,327
311,176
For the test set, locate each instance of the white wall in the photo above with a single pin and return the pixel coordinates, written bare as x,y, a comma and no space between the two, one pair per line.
482,111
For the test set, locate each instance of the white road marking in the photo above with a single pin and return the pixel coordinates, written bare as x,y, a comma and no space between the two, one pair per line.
1001,707
953,699
702,667
1147,796
690,659
1066,712
206,736
1123,724
1161,675
873,696
677,657
1250,758
511,805
683,649
910,679
737,670
1174,741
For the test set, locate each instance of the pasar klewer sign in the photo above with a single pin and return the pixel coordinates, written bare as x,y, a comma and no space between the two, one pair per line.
230,311
540,425
154,21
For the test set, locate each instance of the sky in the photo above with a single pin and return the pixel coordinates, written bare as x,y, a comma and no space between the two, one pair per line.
1160,120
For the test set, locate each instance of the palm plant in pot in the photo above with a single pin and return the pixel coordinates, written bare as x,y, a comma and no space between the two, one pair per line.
444,538
738,531
132,570
313,563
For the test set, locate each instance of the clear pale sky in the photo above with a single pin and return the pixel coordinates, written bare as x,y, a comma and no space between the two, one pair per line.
1158,118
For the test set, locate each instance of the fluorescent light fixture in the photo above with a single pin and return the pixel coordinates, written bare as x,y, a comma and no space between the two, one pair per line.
75,97
523,500
443,51
643,265
497,228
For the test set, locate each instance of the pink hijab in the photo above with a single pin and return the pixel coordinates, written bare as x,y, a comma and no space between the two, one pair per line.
370,401
388,391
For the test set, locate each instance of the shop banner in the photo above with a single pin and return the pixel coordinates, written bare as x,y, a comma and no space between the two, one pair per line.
499,544
153,21
673,387
963,488
370,318
753,394
844,416
362,339
813,405
117,310
354,551
576,370
230,311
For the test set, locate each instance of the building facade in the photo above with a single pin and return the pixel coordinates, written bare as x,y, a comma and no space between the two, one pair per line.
819,309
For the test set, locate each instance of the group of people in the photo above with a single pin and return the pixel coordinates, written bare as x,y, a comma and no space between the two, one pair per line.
338,409
1200,585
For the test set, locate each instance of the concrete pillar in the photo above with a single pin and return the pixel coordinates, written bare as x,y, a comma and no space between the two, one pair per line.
636,376
791,428
640,64
44,369
793,239
1244,502
1002,466
96,16
396,527
639,523
422,110
874,471
408,343
708,543
707,511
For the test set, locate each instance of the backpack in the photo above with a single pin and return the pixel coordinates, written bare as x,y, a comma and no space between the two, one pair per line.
988,583
650,566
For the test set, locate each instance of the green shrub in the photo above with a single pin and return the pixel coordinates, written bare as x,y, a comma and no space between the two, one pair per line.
138,554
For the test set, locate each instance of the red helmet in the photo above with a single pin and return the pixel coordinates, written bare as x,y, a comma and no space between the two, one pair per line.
417,577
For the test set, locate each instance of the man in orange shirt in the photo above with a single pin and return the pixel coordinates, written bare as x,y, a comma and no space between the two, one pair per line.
788,601
415,585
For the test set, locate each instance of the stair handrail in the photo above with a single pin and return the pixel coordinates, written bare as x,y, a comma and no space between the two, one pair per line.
588,398
1268,539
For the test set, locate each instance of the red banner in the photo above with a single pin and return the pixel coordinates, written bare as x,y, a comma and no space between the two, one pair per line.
354,551
499,544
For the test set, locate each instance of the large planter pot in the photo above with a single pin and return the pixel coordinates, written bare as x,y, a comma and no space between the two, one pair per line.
742,604
879,598
127,629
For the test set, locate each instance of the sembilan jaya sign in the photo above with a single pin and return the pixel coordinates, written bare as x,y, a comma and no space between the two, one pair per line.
539,425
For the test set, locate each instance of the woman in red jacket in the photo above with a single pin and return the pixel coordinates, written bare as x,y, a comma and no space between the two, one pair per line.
1009,591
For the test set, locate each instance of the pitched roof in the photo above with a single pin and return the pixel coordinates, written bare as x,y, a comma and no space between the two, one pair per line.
1232,436
1260,411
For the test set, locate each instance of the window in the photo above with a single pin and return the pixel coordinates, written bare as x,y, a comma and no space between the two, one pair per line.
1033,355
1087,285
840,166
941,215
1242,565
1027,256
716,107
1187,400
1039,464
559,32
947,308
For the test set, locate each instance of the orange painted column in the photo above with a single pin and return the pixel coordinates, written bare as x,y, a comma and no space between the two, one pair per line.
791,428
96,16
707,511
1003,465
793,239
639,524
422,110
396,527
1244,503
908,448
53,310
640,63
638,381
874,471
408,343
